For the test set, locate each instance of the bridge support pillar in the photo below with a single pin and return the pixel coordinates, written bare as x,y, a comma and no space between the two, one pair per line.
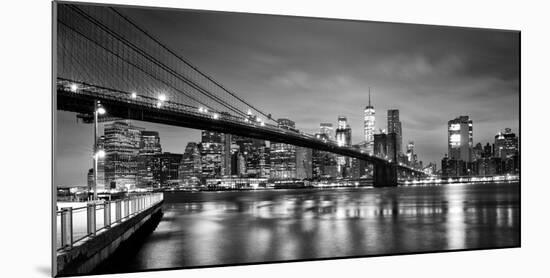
385,175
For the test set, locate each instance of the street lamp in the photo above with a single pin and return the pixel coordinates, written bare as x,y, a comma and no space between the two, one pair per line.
101,110
100,154
98,110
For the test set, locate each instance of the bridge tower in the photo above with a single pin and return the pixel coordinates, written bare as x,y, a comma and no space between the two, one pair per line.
385,175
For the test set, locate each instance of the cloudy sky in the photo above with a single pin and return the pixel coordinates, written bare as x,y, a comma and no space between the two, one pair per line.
312,70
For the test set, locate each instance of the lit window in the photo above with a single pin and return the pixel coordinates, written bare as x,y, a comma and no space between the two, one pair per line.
454,127
455,140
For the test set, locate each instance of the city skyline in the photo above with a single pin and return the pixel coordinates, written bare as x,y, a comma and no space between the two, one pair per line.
81,163
450,71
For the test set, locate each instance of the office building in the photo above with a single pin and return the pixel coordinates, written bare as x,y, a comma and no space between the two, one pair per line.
506,144
327,130
343,139
369,122
169,164
190,169
394,126
343,132
211,149
283,156
122,145
460,139
149,147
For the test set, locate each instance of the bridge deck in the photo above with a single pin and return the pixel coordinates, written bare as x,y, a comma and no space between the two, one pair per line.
143,108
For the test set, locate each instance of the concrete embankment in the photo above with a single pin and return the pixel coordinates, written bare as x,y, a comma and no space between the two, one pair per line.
85,257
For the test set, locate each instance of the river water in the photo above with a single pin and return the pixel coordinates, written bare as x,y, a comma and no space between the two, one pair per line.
215,228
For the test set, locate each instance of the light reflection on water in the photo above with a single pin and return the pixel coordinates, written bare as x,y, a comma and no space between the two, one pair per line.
211,228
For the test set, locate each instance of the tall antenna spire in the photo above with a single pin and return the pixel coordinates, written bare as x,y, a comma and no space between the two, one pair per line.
369,96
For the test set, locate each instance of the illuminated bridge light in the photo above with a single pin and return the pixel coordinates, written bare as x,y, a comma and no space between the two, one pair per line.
216,116
159,104
134,95
74,87
162,97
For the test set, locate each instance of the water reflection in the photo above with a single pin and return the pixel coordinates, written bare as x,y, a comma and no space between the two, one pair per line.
242,227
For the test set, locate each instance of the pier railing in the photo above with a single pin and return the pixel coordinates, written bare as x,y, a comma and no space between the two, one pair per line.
77,224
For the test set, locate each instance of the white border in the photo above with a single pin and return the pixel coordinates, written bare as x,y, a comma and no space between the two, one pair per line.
26,128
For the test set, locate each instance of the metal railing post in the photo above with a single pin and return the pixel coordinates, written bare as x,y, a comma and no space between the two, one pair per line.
90,213
66,227
107,214
118,211
126,208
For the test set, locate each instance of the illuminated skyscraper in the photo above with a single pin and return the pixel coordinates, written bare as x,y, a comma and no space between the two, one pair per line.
506,144
149,147
283,156
343,138
343,132
369,127
326,129
169,164
394,126
190,169
254,152
122,145
226,155
411,156
211,154
460,140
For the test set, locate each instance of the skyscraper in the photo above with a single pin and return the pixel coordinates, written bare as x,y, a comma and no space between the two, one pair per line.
369,127
283,156
323,163
226,155
190,170
149,147
343,132
460,139
211,153
343,139
169,168
506,144
327,130
122,144
100,165
253,152
394,126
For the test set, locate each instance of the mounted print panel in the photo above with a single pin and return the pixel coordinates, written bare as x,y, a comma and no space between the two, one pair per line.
187,138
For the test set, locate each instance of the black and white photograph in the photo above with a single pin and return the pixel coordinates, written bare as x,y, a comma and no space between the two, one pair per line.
188,138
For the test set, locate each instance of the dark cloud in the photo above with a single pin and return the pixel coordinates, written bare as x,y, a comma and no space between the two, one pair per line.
312,70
